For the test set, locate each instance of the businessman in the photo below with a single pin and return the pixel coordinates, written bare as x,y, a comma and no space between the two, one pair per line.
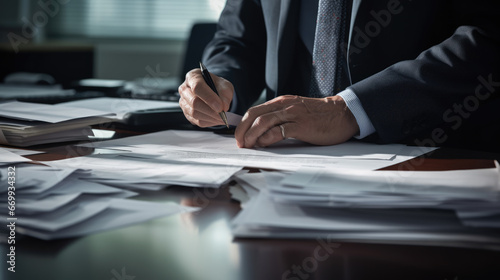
425,71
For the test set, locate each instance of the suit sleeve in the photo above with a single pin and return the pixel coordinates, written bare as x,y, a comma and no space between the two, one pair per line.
237,51
451,85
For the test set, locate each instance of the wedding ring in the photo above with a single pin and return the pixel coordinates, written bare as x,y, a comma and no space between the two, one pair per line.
282,131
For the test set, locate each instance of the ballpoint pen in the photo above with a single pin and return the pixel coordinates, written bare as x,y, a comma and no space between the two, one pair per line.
210,83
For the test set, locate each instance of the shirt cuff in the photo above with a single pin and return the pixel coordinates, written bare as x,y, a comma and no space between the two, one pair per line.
352,101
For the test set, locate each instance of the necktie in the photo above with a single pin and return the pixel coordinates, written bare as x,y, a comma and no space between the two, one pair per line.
329,69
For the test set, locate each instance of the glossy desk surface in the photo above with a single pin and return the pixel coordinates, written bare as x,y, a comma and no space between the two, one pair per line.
200,245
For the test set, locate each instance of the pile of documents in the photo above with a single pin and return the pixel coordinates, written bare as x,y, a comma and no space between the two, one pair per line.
445,208
53,203
26,124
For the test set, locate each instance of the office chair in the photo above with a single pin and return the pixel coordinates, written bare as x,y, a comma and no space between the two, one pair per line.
201,34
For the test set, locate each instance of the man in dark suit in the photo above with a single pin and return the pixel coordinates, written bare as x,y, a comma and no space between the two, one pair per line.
425,72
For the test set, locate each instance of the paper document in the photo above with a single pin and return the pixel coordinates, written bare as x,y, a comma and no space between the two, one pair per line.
210,148
7,156
233,119
119,106
44,112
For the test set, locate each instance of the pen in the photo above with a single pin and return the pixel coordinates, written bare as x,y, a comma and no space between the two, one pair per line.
210,83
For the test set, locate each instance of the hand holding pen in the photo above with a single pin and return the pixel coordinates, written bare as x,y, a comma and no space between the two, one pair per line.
204,98
210,83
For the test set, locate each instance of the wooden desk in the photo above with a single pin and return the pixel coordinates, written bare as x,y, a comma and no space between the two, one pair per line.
200,246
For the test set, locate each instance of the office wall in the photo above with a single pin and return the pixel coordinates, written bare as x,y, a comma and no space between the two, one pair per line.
134,59
9,12
114,58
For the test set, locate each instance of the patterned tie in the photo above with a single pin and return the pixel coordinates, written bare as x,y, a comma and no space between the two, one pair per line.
329,74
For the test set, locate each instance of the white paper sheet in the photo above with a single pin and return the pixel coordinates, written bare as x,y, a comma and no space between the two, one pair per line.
7,157
233,119
211,148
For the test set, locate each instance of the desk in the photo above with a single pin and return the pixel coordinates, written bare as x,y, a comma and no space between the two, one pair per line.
200,245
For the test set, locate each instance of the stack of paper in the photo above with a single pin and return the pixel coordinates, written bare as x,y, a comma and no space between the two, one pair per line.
454,208
25,124
51,203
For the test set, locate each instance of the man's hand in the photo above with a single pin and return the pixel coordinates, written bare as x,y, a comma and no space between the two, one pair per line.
320,121
200,104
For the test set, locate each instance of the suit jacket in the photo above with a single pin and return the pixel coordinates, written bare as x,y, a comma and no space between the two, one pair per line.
427,68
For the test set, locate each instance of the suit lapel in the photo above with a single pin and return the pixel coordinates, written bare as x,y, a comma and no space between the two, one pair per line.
354,14
356,4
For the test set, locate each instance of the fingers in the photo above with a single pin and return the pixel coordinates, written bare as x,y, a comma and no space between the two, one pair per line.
257,126
198,117
320,121
261,118
225,90
275,134
200,89
261,128
200,103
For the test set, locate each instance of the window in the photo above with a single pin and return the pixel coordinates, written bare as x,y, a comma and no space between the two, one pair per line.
133,18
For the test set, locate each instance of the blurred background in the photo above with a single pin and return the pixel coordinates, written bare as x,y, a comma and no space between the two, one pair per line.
102,39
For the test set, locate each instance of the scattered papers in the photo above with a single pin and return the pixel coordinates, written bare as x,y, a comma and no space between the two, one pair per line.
52,203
